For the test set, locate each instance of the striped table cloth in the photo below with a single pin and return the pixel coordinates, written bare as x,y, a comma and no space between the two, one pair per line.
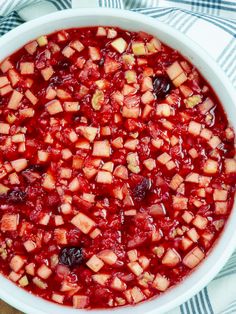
212,24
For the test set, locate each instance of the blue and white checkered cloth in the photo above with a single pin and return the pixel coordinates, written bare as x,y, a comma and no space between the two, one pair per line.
212,24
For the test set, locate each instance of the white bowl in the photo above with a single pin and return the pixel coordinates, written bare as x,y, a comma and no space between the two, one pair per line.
225,246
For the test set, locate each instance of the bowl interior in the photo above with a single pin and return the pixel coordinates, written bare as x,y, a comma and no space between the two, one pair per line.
133,22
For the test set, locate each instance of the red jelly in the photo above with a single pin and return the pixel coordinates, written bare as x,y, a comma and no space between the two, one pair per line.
117,169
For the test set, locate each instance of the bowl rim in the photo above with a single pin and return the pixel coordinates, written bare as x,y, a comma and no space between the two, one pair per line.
215,260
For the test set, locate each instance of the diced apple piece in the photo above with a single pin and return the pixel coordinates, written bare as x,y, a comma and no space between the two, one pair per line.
16,263
101,278
15,100
160,282
192,177
139,48
89,133
221,208
47,73
229,133
180,79
31,47
118,284
111,65
6,65
71,106
214,142
77,45
132,255
42,40
147,98
176,181
39,283
94,53
23,282
4,81
9,222
186,243
43,156
135,268
83,222
163,110
193,235
30,269
3,188
132,112
26,67
95,263
220,195
108,257
171,258
53,107
44,271
80,301
192,101
210,166
4,128
230,165
31,97
19,164
137,295
30,245
101,149
193,258
48,182
206,105
5,90
164,158
174,70
131,76
58,298
206,134
104,177
119,44
180,202
121,172
97,99
68,52
150,164
200,222
194,128
95,233
128,59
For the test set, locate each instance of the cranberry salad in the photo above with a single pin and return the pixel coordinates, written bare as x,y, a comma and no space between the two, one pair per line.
117,169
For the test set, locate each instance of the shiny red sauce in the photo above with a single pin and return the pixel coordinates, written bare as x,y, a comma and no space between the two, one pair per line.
117,169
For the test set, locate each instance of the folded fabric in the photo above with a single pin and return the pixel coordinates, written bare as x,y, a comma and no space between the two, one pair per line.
211,24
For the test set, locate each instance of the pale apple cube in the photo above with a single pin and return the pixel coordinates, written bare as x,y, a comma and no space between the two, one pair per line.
15,100
44,271
108,166
214,142
128,59
118,284
221,208
77,45
9,222
192,177
174,70
48,181
187,216
229,133
176,181
43,155
180,202
68,52
135,267
14,276
133,255
58,298
4,128
80,301
230,165
206,105
220,195
95,263
193,235
206,134
71,106
163,110
53,107
164,158
171,258
13,179
19,164
42,40
95,233
27,68
160,282
89,133
194,257
47,73
101,149
137,295
119,44
186,243
31,97
83,222
104,177
147,98
23,282
179,80
6,65
192,101
150,164
74,185
194,128
210,166
16,263
65,173
131,76
30,245
139,48
101,278
39,283
108,257
30,269
5,90
50,93
200,222
94,53
4,81
121,172
60,236
31,47
101,31
132,112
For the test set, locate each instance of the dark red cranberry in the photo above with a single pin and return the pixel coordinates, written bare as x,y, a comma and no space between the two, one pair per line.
161,86
141,189
16,196
71,256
